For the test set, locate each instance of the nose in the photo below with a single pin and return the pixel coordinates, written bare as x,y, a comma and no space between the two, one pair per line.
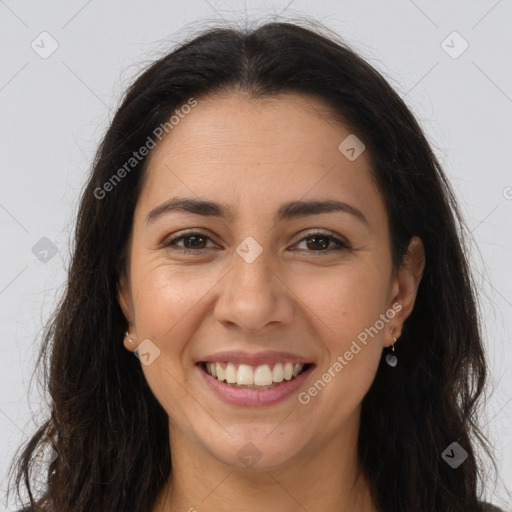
254,295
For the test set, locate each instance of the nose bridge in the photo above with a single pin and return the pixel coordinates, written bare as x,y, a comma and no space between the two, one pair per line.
252,295
252,275
252,264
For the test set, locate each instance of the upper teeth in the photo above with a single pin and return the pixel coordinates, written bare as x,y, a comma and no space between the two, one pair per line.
260,375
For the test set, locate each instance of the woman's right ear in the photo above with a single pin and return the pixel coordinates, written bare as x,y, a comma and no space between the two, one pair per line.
124,299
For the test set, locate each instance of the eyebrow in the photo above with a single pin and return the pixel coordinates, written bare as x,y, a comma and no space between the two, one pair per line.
288,211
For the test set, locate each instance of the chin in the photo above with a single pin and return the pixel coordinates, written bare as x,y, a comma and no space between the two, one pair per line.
257,451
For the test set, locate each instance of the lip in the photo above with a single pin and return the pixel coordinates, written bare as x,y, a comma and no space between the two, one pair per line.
254,397
255,359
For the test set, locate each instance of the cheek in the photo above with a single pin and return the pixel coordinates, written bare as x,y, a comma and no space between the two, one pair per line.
166,307
347,313
347,300
346,308
170,305
165,298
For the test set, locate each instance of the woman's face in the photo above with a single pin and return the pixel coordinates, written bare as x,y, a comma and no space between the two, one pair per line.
263,284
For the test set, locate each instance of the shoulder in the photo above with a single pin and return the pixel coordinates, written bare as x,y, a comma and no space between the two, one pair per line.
489,507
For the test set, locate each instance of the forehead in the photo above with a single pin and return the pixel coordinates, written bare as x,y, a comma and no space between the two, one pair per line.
279,148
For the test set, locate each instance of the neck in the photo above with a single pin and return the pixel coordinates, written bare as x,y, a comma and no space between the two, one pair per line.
323,477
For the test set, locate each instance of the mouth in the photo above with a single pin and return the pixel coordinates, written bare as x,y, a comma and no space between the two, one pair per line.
262,377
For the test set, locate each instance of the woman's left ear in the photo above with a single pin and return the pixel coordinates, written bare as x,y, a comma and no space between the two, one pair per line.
408,280
125,302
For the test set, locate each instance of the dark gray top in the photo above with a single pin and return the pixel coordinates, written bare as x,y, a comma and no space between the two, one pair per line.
489,507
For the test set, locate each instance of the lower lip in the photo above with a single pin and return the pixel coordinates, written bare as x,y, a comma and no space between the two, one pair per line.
254,397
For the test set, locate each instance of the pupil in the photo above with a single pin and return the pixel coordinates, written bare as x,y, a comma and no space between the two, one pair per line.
188,238
316,238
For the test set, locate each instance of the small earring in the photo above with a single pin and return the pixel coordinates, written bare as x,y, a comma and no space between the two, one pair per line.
391,358
128,336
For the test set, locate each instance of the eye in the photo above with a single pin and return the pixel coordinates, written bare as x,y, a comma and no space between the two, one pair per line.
316,241
319,241
192,239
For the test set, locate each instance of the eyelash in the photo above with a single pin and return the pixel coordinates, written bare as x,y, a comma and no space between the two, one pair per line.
341,245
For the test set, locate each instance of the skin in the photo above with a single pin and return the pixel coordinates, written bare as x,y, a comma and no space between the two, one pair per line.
254,155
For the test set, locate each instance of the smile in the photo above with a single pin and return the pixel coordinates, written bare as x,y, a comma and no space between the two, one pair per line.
270,385
262,377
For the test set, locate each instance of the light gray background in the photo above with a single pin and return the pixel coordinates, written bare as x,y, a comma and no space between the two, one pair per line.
55,110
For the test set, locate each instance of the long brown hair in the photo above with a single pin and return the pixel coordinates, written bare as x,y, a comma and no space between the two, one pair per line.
107,428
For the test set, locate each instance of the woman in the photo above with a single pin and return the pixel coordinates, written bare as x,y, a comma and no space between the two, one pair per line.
268,231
